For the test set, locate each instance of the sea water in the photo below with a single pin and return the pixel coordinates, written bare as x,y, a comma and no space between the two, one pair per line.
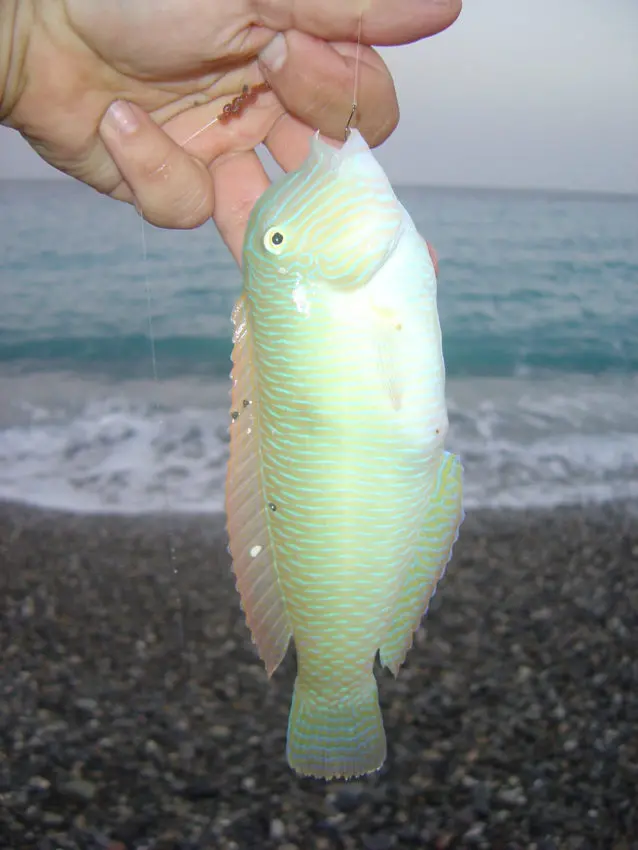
538,300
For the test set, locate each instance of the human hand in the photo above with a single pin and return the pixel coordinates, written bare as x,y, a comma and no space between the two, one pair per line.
179,62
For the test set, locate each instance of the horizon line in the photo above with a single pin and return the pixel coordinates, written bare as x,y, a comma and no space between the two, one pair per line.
467,187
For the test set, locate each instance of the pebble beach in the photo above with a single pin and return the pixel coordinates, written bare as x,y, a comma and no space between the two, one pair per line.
134,712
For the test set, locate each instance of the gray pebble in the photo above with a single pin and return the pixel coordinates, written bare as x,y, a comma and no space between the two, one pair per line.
39,783
511,797
86,704
348,796
277,829
481,799
80,789
380,841
475,833
52,819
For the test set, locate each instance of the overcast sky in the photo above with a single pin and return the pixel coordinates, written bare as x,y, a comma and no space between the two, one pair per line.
530,93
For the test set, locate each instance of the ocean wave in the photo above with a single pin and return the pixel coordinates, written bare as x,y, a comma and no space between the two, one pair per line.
114,353
523,444
467,352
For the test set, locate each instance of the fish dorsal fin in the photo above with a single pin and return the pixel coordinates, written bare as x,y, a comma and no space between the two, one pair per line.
247,510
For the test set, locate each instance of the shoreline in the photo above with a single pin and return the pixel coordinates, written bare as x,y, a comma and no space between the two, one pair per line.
135,712
616,507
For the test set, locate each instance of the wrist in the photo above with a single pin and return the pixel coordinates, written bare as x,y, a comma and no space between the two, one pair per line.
15,24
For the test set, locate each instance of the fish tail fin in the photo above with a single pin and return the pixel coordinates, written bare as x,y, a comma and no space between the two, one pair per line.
336,738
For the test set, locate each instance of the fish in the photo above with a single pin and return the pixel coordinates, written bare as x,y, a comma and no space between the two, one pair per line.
342,503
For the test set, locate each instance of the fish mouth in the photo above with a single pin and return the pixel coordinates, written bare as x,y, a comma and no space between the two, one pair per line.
339,151
383,219
356,145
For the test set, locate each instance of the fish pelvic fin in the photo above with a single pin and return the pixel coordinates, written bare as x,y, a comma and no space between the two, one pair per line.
247,510
336,738
440,533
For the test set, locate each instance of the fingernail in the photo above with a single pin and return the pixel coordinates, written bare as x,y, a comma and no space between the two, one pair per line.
121,116
274,53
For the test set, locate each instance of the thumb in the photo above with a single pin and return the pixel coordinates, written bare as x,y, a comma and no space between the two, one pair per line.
315,80
169,187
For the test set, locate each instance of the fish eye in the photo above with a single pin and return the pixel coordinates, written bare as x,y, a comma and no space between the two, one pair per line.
274,240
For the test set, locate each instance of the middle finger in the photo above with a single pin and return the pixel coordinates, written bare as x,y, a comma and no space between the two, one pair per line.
239,179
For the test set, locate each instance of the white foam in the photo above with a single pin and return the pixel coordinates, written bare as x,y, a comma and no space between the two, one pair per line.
120,452
145,448
547,442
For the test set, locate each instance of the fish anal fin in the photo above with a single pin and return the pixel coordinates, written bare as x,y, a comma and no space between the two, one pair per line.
438,536
247,518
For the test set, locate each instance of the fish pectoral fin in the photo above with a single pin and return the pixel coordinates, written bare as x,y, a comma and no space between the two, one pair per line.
247,511
438,536
388,329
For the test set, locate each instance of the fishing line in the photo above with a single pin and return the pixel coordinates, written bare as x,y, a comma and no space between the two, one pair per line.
201,130
170,548
230,111
355,90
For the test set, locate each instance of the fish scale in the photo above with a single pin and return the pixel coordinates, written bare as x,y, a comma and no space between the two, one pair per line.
341,503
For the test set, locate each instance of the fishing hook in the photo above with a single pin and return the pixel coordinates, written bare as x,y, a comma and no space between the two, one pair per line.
348,129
